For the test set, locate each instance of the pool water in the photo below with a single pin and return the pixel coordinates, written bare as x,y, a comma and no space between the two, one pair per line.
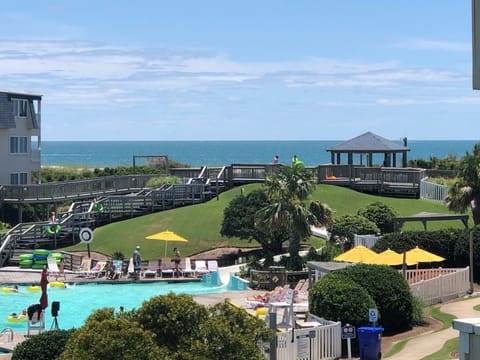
77,301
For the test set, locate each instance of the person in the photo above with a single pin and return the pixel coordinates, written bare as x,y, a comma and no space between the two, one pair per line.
137,263
122,309
111,271
176,260
53,218
15,288
61,269
294,159
275,159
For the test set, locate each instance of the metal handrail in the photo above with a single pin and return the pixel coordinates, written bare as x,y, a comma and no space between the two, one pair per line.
4,332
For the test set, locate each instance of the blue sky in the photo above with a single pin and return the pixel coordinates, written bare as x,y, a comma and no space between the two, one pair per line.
245,70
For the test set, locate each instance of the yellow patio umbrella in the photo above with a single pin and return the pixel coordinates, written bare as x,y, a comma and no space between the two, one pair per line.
417,255
166,236
387,257
358,253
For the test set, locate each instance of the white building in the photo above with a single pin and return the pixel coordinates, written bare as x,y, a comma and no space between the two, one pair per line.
20,137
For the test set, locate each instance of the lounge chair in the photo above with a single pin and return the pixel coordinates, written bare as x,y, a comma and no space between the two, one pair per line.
118,269
53,269
186,265
212,265
36,319
201,267
99,269
166,267
152,269
85,267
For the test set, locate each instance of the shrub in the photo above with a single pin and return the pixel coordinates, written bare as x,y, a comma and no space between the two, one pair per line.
380,214
338,298
345,227
46,346
418,310
156,182
390,292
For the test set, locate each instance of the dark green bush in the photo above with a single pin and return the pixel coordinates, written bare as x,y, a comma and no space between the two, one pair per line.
338,298
390,292
380,214
346,226
46,346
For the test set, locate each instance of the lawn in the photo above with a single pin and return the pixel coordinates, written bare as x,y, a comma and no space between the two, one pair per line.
201,223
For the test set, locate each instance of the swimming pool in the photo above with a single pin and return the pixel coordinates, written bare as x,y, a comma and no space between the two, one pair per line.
77,301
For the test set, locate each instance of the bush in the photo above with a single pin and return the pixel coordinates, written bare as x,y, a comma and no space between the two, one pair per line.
338,298
380,214
105,336
345,227
390,292
45,346
157,182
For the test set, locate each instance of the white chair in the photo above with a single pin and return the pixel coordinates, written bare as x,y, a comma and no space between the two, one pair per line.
186,265
36,319
201,267
212,265
53,269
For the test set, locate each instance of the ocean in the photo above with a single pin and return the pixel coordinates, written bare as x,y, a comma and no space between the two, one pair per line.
219,153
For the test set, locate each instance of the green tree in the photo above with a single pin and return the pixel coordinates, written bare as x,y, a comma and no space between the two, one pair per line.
465,193
288,191
345,227
239,220
44,346
380,214
105,336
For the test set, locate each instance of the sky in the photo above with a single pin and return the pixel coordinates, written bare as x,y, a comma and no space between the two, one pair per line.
243,70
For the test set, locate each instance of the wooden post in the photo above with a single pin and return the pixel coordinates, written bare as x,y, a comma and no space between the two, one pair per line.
470,243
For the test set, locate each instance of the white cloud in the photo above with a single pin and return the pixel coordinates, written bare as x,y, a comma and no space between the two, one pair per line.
82,72
422,44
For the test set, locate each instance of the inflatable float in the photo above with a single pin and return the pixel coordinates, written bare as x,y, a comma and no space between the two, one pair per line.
57,284
52,229
17,319
9,290
34,288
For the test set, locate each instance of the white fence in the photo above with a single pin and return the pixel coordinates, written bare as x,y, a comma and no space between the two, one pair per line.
432,191
314,343
448,284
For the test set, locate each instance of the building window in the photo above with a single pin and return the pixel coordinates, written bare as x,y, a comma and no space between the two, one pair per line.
20,107
18,145
18,179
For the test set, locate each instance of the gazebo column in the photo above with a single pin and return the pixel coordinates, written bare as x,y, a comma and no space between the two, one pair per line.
394,159
404,159
332,157
338,158
369,159
350,158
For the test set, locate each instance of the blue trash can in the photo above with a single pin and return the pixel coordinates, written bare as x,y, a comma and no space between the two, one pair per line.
370,342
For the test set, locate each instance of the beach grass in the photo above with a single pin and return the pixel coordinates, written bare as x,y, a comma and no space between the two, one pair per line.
201,223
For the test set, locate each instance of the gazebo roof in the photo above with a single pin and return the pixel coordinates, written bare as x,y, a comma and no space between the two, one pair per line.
368,142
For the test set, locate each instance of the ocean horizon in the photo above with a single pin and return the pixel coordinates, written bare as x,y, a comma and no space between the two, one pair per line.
219,153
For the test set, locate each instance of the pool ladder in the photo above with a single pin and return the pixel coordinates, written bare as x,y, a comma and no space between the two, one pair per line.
6,331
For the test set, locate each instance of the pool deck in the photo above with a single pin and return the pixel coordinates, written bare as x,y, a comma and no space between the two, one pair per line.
14,275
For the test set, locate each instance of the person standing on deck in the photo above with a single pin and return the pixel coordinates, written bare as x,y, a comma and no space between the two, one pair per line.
137,262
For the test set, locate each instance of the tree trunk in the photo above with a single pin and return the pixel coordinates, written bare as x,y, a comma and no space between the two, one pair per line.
476,212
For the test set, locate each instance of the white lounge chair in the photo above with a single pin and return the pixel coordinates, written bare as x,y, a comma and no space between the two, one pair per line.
186,266
212,265
201,267
152,270
53,269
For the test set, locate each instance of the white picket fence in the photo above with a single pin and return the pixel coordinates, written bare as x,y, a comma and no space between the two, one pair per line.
439,285
313,343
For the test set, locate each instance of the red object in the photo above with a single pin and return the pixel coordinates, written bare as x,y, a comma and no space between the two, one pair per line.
43,285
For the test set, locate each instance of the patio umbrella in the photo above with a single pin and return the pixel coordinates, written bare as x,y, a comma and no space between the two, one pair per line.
43,285
166,236
417,255
388,257
359,253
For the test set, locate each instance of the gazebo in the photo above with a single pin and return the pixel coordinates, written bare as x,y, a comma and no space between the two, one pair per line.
367,145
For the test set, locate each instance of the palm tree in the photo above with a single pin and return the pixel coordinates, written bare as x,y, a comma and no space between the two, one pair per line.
287,192
465,193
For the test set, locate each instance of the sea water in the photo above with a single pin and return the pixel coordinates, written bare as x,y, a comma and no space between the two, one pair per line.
220,153
77,301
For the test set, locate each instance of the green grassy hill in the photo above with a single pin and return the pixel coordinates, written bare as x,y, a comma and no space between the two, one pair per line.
201,223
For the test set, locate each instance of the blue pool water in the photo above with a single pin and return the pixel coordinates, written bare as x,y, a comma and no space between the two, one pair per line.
78,301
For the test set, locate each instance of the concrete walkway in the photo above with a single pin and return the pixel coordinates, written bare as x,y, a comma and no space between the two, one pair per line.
424,345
